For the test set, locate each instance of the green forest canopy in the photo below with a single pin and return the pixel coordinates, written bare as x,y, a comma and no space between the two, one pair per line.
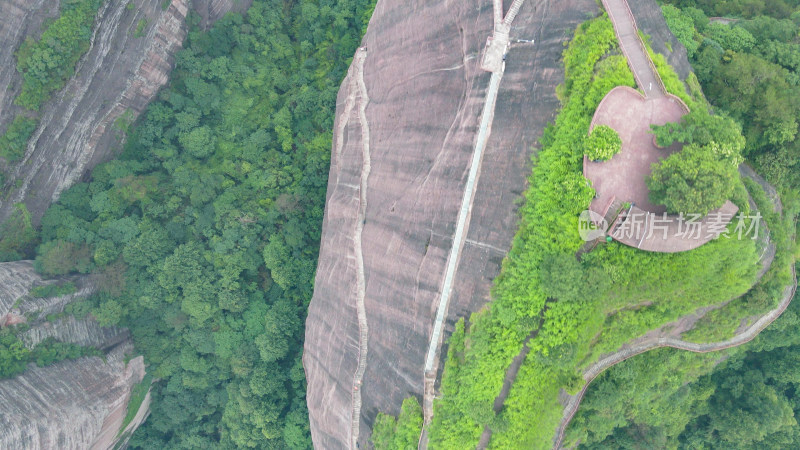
204,233
745,397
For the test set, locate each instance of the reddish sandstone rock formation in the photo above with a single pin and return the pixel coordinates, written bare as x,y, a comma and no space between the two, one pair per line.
425,94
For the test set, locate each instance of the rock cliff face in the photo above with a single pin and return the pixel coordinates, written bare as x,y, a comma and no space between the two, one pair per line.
21,19
84,332
121,73
74,404
651,22
415,101
212,10
16,280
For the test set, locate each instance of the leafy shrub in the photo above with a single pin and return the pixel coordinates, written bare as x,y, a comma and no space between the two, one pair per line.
682,26
17,235
48,63
402,433
603,143
53,290
14,141
61,257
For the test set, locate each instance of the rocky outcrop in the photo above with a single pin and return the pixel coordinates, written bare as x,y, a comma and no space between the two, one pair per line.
17,278
425,91
79,404
120,74
75,404
651,22
21,19
84,332
212,10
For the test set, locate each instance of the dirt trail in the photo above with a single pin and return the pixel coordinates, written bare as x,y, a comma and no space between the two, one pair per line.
363,329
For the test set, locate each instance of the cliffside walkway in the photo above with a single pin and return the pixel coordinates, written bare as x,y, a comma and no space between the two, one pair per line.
362,98
633,48
494,54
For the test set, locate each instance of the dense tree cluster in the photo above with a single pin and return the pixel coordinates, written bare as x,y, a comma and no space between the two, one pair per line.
703,175
603,143
47,63
693,181
18,237
672,399
15,139
402,433
750,69
204,234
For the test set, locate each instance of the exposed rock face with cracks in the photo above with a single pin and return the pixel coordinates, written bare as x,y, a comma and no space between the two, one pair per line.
75,404
121,72
72,404
426,92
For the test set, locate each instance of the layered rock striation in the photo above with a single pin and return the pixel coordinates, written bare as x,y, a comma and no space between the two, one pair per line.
75,404
116,79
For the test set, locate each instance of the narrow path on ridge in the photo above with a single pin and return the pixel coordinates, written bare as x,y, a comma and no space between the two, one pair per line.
651,84
363,329
597,368
633,48
493,53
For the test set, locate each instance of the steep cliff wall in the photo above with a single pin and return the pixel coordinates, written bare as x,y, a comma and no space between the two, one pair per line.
69,405
120,73
72,404
212,10
83,332
21,19
16,280
421,90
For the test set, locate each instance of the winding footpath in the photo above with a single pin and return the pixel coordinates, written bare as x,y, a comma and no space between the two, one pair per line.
363,328
649,81
746,336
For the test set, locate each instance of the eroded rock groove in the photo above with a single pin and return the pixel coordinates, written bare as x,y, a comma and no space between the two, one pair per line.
363,328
